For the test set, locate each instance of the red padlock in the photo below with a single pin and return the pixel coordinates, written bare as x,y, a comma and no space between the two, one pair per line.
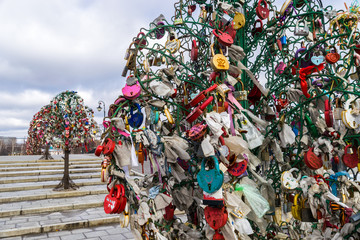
238,168
312,161
99,150
197,131
350,160
329,119
257,30
230,30
332,57
223,38
194,51
121,197
262,10
109,146
140,41
218,236
111,204
198,111
216,217
202,95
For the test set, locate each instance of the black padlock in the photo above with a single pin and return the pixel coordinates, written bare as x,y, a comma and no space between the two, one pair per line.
277,201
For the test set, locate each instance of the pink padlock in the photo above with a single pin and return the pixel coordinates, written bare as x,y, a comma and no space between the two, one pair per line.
131,92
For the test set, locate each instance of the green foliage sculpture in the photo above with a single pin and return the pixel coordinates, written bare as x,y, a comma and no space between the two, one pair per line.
275,99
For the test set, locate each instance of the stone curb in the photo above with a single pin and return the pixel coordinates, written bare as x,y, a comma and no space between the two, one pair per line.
52,195
34,187
29,173
56,227
41,179
47,209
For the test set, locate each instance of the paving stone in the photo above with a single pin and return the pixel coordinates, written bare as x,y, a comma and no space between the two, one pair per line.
73,237
118,230
95,234
81,230
128,235
113,237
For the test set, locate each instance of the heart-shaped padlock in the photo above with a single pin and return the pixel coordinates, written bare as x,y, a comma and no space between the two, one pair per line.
194,51
317,60
140,41
312,161
109,146
239,21
131,91
257,29
262,10
238,168
350,160
111,203
210,180
288,181
137,118
218,236
215,217
223,38
333,56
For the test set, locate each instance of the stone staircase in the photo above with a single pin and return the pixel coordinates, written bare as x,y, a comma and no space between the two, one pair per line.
28,205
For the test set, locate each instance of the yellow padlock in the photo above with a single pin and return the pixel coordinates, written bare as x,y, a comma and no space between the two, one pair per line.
127,126
219,62
239,20
296,208
168,115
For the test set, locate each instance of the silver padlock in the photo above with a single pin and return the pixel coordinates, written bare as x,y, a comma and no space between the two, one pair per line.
338,109
301,29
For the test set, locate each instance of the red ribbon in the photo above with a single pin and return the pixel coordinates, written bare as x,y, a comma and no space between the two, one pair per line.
307,71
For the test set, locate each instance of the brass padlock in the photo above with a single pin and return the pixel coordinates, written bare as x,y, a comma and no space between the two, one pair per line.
219,62
306,214
243,92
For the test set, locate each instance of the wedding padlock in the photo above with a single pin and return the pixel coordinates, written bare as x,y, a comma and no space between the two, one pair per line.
311,127
306,214
109,146
288,181
257,29
312,161
238,21
296,208
203,15
215,217
198,110
197,131
262,10
172,43
301,28
210,180
280,67
332,57
157,29
350,159
219,62
338,109
194,51
140,42
137,118
282,102
218,236
168,115
241,95
223,38
130,56
178,16
351,114
329,119
317,58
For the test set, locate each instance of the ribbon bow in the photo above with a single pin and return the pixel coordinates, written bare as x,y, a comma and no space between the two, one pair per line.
345,212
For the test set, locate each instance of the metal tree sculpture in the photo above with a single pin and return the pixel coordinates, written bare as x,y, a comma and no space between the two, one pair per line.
71,125
38,133
251,88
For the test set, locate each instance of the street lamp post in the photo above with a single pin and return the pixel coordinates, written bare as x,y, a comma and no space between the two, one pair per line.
101,106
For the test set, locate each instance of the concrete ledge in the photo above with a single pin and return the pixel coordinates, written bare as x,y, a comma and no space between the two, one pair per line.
32,164
60,226
52,167
25,211
31,173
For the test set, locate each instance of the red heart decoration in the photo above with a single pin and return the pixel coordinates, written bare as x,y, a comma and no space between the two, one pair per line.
111,204
350,160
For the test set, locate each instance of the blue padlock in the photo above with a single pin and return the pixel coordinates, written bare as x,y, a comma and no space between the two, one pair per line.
283,40
137,118
210,180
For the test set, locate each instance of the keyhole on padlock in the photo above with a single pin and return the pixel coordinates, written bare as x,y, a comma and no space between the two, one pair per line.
209,185
214,223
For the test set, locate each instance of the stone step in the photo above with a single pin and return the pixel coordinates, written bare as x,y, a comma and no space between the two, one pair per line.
48,184
111,231
47,172
51,205
60,163
53,177
55,222
35,158
38,194
40,168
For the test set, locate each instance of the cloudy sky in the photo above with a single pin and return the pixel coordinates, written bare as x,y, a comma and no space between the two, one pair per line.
49,46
